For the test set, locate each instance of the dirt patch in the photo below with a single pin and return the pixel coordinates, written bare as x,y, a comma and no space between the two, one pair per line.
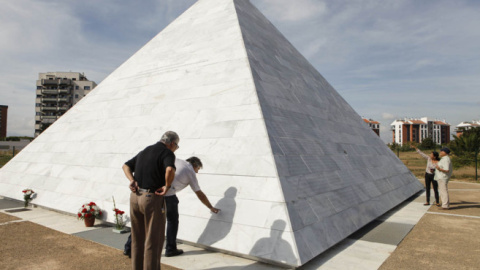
6,218
462,202
26,245
438,242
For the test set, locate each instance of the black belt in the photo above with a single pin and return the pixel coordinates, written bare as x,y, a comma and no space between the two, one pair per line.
145,190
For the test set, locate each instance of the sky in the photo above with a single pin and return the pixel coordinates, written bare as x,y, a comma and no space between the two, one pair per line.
388,59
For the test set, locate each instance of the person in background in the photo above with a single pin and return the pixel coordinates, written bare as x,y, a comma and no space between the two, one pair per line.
443,173
432,160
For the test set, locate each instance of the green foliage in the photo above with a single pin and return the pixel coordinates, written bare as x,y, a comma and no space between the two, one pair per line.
4,158
427,144
401,148
466,144
462,161
465,148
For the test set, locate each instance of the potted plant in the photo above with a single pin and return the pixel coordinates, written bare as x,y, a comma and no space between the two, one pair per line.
88,212
27,196
119,222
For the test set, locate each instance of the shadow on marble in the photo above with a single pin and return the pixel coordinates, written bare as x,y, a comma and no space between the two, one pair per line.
274,247
220,225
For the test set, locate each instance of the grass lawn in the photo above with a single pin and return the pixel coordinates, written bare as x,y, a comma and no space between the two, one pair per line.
5,157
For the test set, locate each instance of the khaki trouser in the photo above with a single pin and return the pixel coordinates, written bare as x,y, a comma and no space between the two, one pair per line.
148,230
443,190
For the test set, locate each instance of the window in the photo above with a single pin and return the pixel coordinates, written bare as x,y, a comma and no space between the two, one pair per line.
74,79
39,87
38,113
76,87
86,87
38,105
76,96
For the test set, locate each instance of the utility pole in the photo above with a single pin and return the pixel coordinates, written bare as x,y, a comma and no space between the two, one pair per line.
476,164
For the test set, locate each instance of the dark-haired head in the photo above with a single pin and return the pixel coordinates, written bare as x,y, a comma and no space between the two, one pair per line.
436,155
196,162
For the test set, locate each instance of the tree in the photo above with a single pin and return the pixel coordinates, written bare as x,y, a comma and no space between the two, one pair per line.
427,143
467,147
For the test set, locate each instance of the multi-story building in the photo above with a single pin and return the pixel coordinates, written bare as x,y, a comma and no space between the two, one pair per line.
374,125
56,93
3,120
466,126
415,130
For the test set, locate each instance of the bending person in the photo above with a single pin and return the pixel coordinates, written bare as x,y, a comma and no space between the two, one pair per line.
432,160
184,176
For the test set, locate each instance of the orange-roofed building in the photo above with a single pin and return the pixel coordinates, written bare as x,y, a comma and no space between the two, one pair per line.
416,130
374,125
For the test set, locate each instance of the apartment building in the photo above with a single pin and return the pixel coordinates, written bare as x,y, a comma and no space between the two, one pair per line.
466,126
56,93
3,120
374,125
415,130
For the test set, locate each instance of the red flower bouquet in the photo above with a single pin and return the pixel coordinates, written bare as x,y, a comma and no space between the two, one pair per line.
89,210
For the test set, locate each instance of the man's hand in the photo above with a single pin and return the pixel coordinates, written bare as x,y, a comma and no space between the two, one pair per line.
133,186
161,191
215,210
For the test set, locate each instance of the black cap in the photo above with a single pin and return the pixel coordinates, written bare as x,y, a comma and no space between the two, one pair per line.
446,150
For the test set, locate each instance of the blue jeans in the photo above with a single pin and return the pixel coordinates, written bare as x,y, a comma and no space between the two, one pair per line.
172,222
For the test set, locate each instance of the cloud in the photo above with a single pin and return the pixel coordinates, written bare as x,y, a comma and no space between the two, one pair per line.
294,11
388,116
402,57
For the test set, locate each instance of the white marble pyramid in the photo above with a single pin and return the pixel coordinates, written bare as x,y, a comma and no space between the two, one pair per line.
292,166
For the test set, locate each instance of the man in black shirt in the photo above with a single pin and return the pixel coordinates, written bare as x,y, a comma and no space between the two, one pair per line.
151,174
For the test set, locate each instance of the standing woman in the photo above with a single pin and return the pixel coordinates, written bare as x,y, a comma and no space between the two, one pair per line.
429,174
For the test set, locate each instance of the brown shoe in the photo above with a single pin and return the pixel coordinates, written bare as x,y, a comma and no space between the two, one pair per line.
426,203
437,204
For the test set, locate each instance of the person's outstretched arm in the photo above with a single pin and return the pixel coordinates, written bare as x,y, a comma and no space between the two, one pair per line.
203,198
425,156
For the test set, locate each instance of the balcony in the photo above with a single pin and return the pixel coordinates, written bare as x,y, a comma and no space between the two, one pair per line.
49,120
63,108
49,91
49,108
64,91
49,82
63,100
56,81
64,81
49,99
